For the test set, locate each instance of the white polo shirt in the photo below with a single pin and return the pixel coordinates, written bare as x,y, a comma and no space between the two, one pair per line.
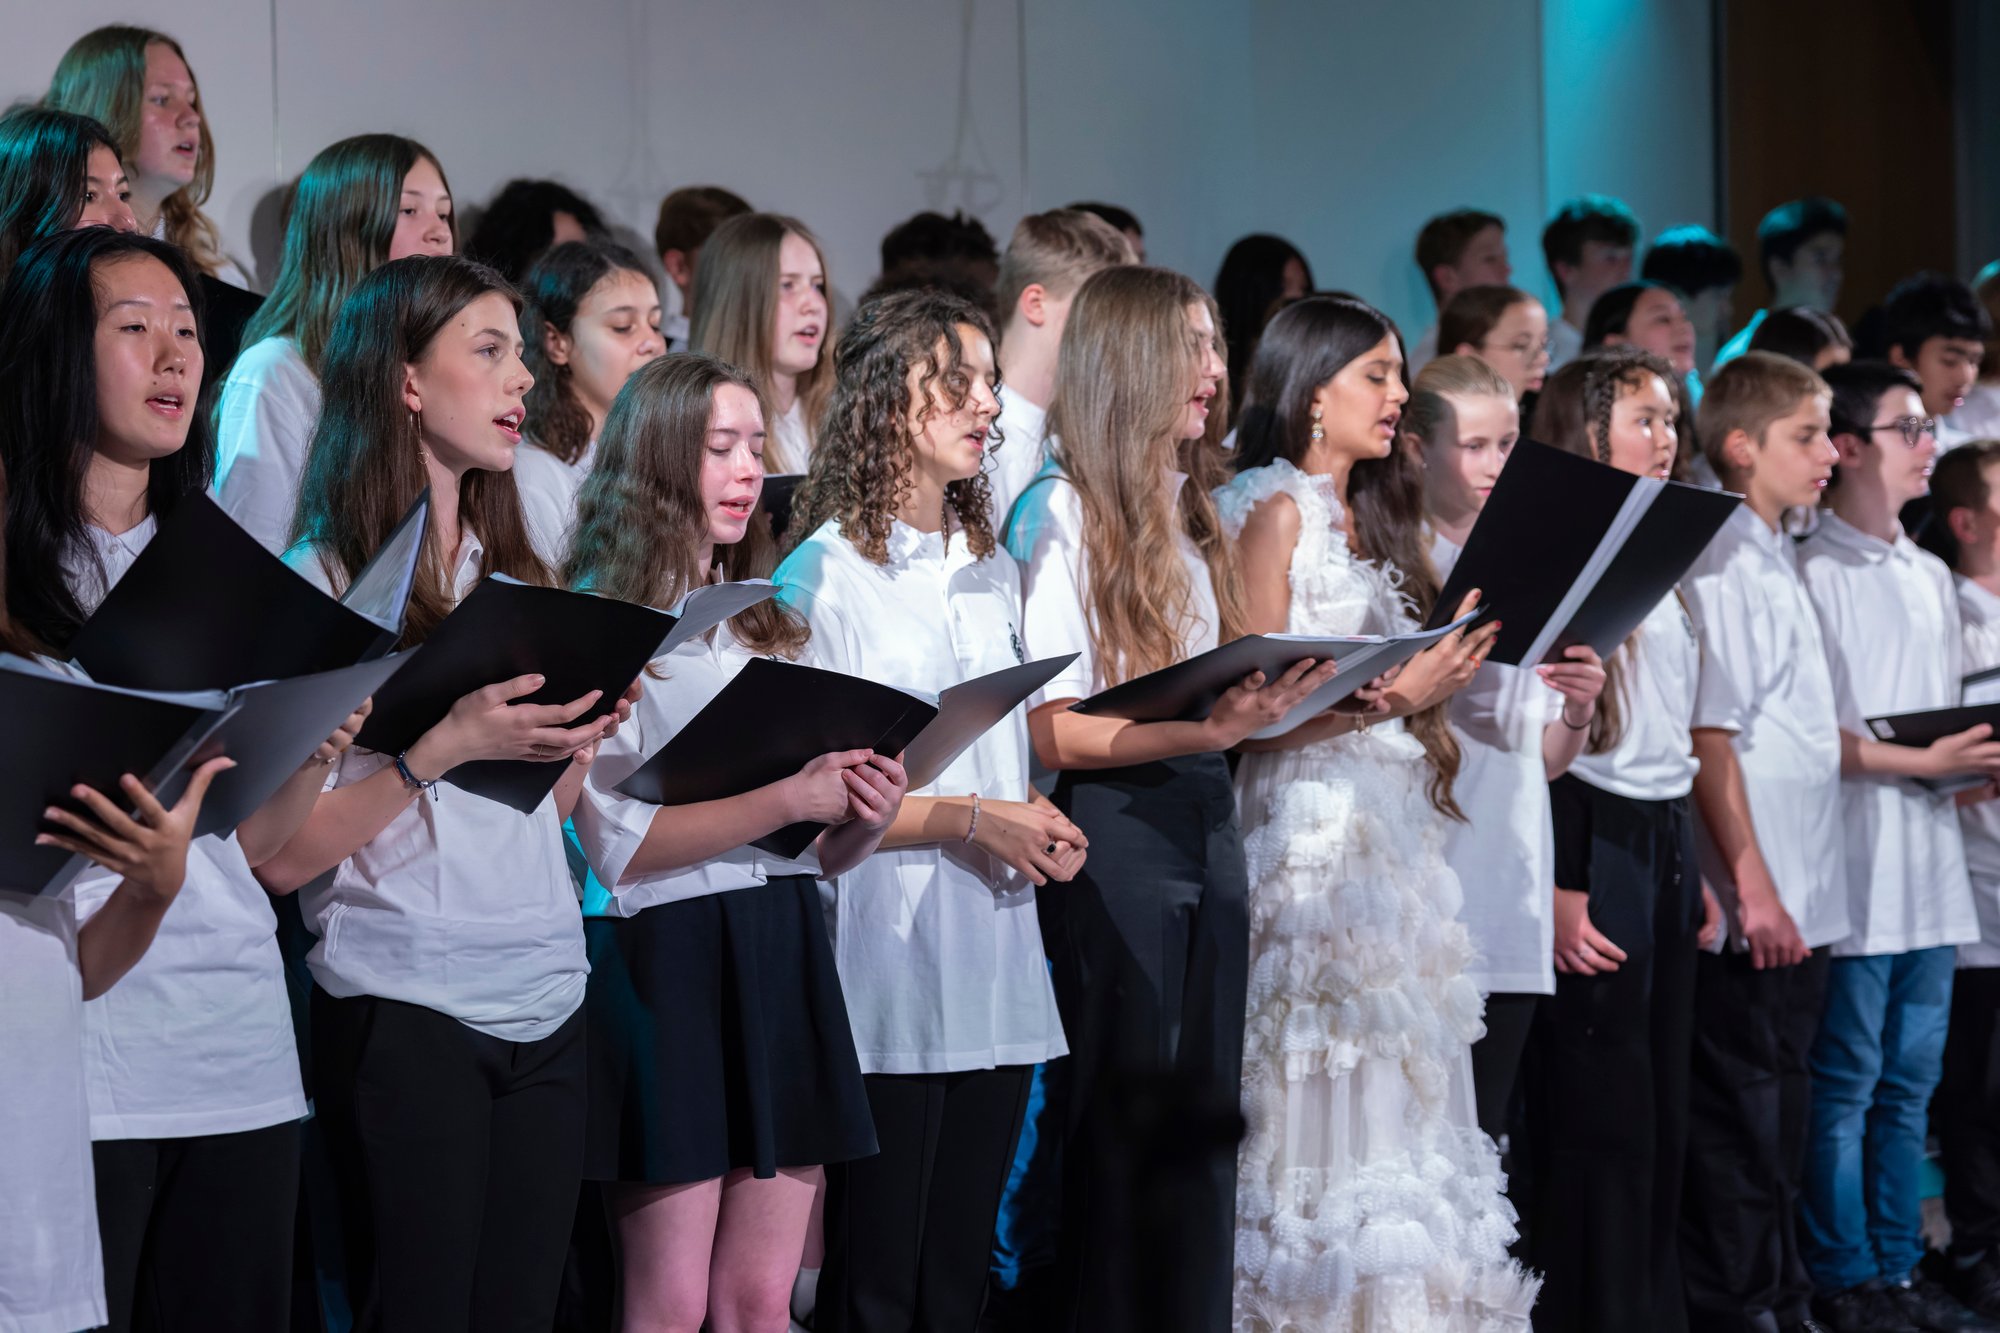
548,488
1046,536
1764,679
460,904
1889,616
264,422
197,1037
939,947
611,827
1654,758
1504,850
1979,619
1021,455
51,1267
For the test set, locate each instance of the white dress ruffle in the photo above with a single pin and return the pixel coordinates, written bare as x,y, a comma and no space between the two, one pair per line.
1367,1198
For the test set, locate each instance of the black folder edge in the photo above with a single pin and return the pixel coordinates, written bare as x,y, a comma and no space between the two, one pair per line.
167,778
1918,729
703,608
925,764
1357,670
417,516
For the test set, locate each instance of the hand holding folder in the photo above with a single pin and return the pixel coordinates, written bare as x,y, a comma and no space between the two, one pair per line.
776,717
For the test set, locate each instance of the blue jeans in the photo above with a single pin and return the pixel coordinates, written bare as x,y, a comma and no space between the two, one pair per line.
1875,1063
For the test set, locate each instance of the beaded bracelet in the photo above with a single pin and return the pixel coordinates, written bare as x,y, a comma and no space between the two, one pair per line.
411,779
972,826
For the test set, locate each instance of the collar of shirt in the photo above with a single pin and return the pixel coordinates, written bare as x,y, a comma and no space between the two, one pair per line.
1761,536
471,564
1988,603
1021,421
92,576
1837,531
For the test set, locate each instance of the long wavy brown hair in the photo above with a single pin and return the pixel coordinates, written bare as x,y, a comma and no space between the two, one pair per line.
1124,375
103,76
1573,413
364,468
1305,345
736,301
640,519
860,470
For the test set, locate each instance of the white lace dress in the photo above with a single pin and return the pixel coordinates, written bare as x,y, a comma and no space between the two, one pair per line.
1367,1198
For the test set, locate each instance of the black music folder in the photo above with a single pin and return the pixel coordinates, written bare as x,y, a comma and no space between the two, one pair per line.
205,606
776,500
1572,551
773,719
1187,691
504,628
1979,702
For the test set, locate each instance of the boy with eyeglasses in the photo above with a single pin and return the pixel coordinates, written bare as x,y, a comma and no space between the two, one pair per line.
1935,328
1888,614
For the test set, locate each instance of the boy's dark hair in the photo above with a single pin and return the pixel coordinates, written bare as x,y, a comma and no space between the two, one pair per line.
690,214
1586,218
1790,225
1118,217
1931,305
1444,238
1958,481
519,224
1692,260
1801,333
1858,387
932,239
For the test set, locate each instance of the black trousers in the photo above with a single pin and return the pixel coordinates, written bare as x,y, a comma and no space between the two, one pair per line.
458,1157
1751,1098
197,1232
1966,1111
909,1231
1496,1060
1149,950
1606,1073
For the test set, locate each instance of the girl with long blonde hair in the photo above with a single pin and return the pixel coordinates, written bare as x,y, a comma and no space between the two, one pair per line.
1127,566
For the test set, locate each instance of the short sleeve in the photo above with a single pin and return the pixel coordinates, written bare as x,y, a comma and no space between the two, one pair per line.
610,827
1047,538
263,425
1726,689
1833,607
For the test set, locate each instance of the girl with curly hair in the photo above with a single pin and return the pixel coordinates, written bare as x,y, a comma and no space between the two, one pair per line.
1127,566
722,1067
1604,1176
939,947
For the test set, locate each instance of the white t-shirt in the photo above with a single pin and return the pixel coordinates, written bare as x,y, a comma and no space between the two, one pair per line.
1504,851
1565,344
51,1269
1979,617
264,422
1422,352
1977,418
548,488
1021,454
610,827
1889,615
939,947
1046,536
1764,679
197,1037
789,446
460,904
1654,758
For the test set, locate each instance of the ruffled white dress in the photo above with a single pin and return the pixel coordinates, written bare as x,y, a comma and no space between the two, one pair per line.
1367,1198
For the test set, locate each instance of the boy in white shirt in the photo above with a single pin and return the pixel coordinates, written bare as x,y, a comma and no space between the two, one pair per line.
1889,615
1047,259
1965,527
1589,246
1768,795
1466,247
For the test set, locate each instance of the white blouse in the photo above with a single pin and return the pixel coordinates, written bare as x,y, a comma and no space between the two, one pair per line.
548,488
1504,850
460,904
789,448
939,947
1979,616
1889,616
1046,536
197,1037
611,827
51,1267
264,422
1654,758
1021,454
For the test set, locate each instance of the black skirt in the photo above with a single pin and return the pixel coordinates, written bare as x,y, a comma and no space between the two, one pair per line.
719,1041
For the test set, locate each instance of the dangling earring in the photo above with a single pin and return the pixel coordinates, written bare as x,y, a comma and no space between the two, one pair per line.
1318,431
417,433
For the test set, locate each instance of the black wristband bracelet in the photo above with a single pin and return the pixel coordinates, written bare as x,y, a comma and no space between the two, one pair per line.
411,780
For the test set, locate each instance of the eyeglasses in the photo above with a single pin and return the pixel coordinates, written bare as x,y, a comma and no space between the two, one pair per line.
1912,429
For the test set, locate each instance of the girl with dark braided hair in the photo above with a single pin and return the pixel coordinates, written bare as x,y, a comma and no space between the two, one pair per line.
1607,1066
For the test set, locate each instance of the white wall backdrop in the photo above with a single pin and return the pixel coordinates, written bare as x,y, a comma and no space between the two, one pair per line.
1341,127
